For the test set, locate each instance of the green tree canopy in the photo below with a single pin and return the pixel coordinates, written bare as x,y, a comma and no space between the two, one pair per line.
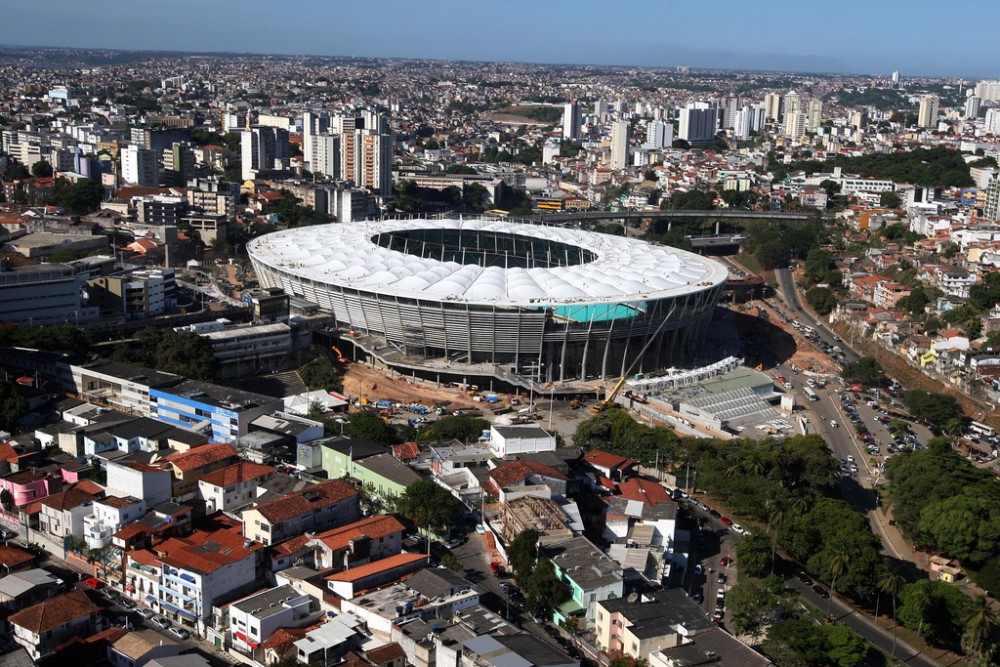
456,427
428,505
865,371
13,406
320,374
934,407
522,552
936,611
822,300
41,169
170,351
753,554
752,603
369,426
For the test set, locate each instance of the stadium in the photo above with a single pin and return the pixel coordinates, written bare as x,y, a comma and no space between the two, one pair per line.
498,298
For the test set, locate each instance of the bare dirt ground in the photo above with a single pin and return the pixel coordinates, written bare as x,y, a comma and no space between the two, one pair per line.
374,384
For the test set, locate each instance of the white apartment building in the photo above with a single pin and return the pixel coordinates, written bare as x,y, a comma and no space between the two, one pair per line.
139,166
234,487
254,619
110,515
145,482
619,144
505,440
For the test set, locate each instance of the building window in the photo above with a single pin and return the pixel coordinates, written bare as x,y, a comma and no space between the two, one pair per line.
600,616
635,647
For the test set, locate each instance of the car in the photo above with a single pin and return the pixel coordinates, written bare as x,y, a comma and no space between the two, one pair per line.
698,596
715,514
480,528
698,570
805,579
507,586
850,458
726,561
147,613
726,520
456,542
127,604
820,591
180,633
722,578
160,622
718,615
7,535
93,582
738,529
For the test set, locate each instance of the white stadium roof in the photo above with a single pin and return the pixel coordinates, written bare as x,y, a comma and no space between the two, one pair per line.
624,269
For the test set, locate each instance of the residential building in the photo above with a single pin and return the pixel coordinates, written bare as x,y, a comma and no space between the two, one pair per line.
324,155
263,149
139,166
927,115
27,486
349,583
888,293
149,483
591,575
716,645
339,454
571,123
659,134
25,587
523,649
234,487
62,513
972,106
163,521
697,125
203,570
814,115
138,295
772,106
659,620
254,619
514,479
384,476
111,514
795,124
553,522
139,647
315,508
358,543
620,131
612,466
251,350
188,467
42,627
642,514
329,642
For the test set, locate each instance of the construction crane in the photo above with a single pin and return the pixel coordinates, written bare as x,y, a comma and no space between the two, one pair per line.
609,399
340,357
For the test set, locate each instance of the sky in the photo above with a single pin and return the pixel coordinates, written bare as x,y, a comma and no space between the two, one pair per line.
915,37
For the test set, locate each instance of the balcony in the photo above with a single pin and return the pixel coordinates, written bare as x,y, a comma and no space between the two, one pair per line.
96,535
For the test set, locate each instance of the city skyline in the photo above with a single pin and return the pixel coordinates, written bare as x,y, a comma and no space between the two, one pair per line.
858,38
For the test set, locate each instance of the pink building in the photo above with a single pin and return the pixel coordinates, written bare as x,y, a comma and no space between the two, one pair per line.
29,485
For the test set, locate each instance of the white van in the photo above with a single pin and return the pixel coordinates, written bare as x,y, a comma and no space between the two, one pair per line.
834,424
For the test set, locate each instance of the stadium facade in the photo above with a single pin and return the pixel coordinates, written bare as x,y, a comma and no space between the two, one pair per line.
565,303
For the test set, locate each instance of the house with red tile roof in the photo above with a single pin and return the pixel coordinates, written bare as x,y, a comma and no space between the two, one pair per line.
514,479
42,627
233,487
190,466
358,543
642,513
203,570
13,559
612,466
315,508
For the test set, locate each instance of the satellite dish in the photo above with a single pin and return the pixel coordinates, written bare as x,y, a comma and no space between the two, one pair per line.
633,597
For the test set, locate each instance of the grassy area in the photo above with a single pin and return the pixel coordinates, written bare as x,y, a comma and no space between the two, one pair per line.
544,114
749,262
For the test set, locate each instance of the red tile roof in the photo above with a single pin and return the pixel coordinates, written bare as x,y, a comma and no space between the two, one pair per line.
289,547
383,565
12,557
283,638
607,459
406,451
384,654
68,499
307,500
202,456
240,472
515,471
55,612
6,451
89,486
373,526
644,491
206,552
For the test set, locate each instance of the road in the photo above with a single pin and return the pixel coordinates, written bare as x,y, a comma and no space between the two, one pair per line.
786,284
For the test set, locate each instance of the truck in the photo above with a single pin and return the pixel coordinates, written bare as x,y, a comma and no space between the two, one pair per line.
811,395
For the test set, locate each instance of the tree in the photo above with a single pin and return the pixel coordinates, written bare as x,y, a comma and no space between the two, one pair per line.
752,604
544,590
369,426
82,197
865,371
16,172
7,500
41,169
831,187
890,200
753,554
979,639
965,526
934,407
13,406
936,611
456,427
428,505
320,374
522,552
796,642
837,563
846,649
822,300
891,583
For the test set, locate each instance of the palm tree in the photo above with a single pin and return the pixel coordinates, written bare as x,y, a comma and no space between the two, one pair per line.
775,517
838,566
890,584
754,464
980,625
921,602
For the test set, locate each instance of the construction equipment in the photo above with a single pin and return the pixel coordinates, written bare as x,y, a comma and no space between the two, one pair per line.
340,357
609,399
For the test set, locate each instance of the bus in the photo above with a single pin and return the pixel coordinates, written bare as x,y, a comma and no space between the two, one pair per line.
811,395
982,429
